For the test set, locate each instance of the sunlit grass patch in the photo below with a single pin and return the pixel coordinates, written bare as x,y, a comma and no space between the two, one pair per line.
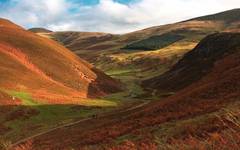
29,101
25,97
98,103
51,115
118,72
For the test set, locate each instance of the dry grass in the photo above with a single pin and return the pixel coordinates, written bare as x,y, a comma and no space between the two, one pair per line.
38,63
4,144
227,139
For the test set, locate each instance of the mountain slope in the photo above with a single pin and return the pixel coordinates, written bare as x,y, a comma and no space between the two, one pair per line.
45,68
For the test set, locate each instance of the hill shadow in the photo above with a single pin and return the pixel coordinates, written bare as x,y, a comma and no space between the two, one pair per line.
114,85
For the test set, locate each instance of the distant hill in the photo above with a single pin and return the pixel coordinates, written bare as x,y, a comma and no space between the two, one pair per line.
40,30
153,38
84,40
228,17
193,29
204,24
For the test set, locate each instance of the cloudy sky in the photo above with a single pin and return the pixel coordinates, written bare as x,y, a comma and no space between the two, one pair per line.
115,16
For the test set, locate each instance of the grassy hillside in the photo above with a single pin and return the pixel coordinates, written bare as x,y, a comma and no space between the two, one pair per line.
46,64
155,42
84,40
227,17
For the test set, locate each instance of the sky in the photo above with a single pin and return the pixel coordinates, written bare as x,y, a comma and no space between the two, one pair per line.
113,16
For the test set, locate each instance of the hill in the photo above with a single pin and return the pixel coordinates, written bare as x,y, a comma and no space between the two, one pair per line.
30,62
197,63
179,34
195,27
39,30
202,113
228,17
83,40
198,27
42,32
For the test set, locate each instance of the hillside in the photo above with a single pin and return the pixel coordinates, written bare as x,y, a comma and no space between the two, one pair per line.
84,40
196,63
201,113
106,46
155,42
193,29
30,62
228,17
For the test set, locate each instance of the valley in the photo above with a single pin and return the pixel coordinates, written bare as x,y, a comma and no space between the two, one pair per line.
205,105
170,87
110,53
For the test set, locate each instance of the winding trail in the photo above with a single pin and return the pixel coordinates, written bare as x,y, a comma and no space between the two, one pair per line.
77,122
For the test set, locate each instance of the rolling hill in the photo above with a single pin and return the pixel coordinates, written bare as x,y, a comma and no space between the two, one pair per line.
105,46
205,113
193,30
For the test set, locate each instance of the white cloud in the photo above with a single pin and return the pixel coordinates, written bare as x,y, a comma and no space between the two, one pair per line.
109,15
36,13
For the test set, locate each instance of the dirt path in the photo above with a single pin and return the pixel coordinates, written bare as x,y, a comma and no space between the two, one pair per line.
74,123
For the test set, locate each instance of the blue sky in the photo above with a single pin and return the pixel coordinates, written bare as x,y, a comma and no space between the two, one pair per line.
115,16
